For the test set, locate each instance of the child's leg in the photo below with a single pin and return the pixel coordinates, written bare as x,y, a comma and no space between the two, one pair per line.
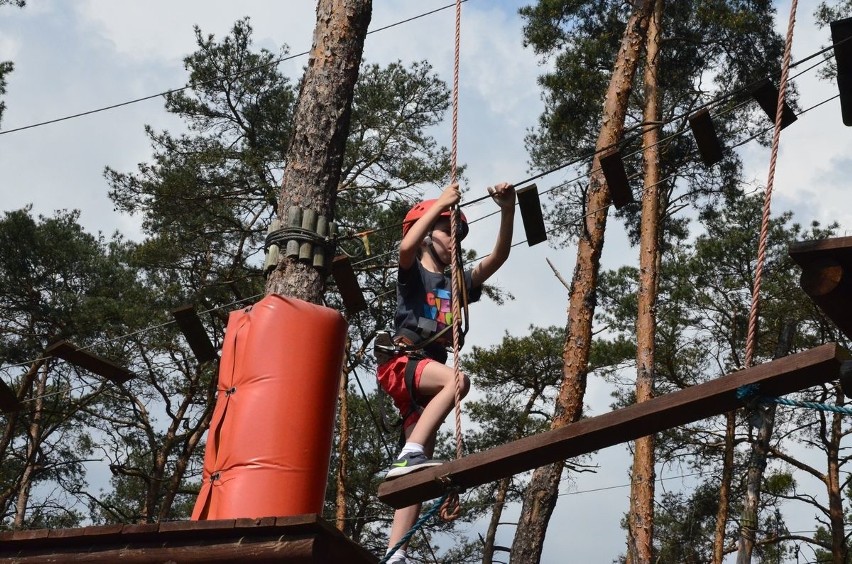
405,517
436,380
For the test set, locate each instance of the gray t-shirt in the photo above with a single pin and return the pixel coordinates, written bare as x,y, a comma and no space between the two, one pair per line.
423,306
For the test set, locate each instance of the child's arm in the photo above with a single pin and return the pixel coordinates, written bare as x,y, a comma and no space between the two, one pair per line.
414,238
504,195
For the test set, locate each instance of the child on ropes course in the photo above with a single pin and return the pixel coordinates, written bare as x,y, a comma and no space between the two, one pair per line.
412,367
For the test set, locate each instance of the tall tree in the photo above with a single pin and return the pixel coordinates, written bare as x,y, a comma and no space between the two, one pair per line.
59,282
541,495
320,129
700,335
641,516
732,42
239,112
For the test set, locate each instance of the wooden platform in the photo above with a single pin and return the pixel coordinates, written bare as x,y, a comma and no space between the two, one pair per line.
301,538
777,378
827,277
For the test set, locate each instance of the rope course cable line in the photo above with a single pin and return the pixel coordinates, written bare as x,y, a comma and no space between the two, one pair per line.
225,77
575,161
624,141
562,184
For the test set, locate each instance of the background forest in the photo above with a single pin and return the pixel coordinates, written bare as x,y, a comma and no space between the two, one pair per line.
187,215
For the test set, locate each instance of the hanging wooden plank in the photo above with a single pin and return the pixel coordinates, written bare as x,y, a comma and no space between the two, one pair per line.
776,378
8,399
530,206
827,277
704,132
612,166
195,334
841,37
347,285
767,97
89,361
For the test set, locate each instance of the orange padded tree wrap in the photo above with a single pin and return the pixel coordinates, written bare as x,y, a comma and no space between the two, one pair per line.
270,437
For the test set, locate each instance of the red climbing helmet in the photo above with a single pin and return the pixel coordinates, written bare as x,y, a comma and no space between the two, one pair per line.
420,208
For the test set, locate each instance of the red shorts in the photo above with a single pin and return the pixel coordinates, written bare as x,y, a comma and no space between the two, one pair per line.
391,377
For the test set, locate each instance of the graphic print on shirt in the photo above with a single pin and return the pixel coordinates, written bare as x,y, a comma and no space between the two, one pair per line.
438,307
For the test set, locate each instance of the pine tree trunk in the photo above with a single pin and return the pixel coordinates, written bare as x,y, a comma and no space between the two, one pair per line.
321,125
541,493
725,489
11,426
839,546
34,436
342,452
496,514
640,520
757,461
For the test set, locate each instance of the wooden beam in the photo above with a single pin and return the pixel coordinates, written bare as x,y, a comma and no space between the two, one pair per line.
709,146
193,330
533,221
827,277
89,361
767,97
612,166
776,378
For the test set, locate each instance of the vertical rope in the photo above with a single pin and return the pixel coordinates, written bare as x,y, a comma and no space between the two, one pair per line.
454,219
751,339
450,510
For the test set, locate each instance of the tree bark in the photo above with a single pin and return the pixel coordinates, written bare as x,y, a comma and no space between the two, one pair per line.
725,489
757,460
321,125
342,452
496,514
640,521
34,438
839,546
542,491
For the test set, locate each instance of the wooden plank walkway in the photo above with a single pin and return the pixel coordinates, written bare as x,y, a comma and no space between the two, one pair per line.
777,378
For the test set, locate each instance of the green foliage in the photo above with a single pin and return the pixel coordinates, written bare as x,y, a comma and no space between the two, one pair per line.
684,524
729,42
59,283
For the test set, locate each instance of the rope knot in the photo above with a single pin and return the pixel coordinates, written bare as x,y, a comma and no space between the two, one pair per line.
747,392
